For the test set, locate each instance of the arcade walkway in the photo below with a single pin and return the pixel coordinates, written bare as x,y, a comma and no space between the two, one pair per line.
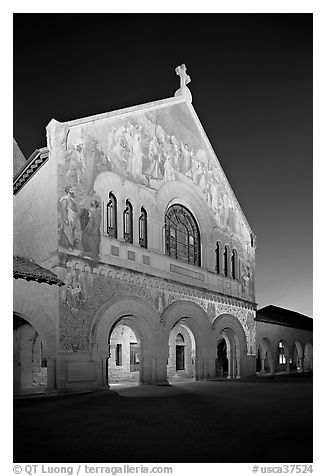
253,420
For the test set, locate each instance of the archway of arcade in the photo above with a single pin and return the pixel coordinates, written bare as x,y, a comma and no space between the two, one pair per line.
30,363
127,339
188,337
265,362
296,357
308,358
230,344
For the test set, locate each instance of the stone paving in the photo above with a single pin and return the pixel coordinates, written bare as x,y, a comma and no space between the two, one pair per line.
253,420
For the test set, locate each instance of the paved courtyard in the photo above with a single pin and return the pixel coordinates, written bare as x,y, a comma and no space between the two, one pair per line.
253,420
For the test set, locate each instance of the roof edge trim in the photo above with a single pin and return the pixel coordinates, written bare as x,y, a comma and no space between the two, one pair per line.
36,160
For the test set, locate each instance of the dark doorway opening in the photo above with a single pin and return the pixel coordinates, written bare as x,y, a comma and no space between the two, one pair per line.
180,357
222,364
258,362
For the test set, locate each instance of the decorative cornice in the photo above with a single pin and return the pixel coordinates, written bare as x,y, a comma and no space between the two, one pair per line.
36,160
162,284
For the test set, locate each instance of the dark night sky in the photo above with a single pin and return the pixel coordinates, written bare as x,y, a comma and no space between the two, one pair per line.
251,82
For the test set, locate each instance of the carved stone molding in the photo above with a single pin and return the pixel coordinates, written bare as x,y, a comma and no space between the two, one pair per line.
87,289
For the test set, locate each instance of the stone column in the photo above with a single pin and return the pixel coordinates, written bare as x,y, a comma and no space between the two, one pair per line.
300,365
211,368
238,375
272,366
234,367
120,209
229,367
52,380
199,368
262,363
26,364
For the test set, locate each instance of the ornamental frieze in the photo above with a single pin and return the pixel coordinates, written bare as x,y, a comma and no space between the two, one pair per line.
83,294
213,310
86,290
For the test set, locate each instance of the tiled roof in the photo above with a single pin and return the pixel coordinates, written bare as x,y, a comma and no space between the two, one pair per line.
284,317
25,268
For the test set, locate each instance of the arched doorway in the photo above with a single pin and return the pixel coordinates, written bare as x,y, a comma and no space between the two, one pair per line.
296,358
143,320
230,339
222,363
192,319
30,362
182,352
228,355
264,360
308,358
124,361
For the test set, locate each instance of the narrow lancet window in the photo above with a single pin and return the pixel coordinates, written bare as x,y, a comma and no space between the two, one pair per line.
143,228
111,216
226,264
217,257
234,260
127,223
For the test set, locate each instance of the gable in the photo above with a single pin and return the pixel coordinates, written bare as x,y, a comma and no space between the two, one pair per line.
150,145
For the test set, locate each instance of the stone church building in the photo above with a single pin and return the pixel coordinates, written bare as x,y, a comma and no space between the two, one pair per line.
133,258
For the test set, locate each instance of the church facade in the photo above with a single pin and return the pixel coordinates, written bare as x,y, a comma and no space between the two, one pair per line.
154,258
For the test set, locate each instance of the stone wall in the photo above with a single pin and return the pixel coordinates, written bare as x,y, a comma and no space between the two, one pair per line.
35,221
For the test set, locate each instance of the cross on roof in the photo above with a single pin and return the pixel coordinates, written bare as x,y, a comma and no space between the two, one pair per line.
184,77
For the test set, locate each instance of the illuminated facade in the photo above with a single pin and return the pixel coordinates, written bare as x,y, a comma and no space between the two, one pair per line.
133,213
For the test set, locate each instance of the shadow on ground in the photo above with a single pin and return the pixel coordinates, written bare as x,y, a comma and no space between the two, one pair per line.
253,420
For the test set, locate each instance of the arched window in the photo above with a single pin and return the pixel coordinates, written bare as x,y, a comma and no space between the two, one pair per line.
182,239
111,216
234,260
281,353
127,223
226,261
143,228
217,257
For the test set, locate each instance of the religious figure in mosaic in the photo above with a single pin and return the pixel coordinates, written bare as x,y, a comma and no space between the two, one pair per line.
68,219
90,221
75,164
74,295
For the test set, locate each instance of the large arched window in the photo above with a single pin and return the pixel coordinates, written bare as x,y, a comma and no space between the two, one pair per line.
127,223
143,228
111,216
182,239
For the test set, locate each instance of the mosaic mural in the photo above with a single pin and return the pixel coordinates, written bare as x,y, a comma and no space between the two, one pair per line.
149,148
86,290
